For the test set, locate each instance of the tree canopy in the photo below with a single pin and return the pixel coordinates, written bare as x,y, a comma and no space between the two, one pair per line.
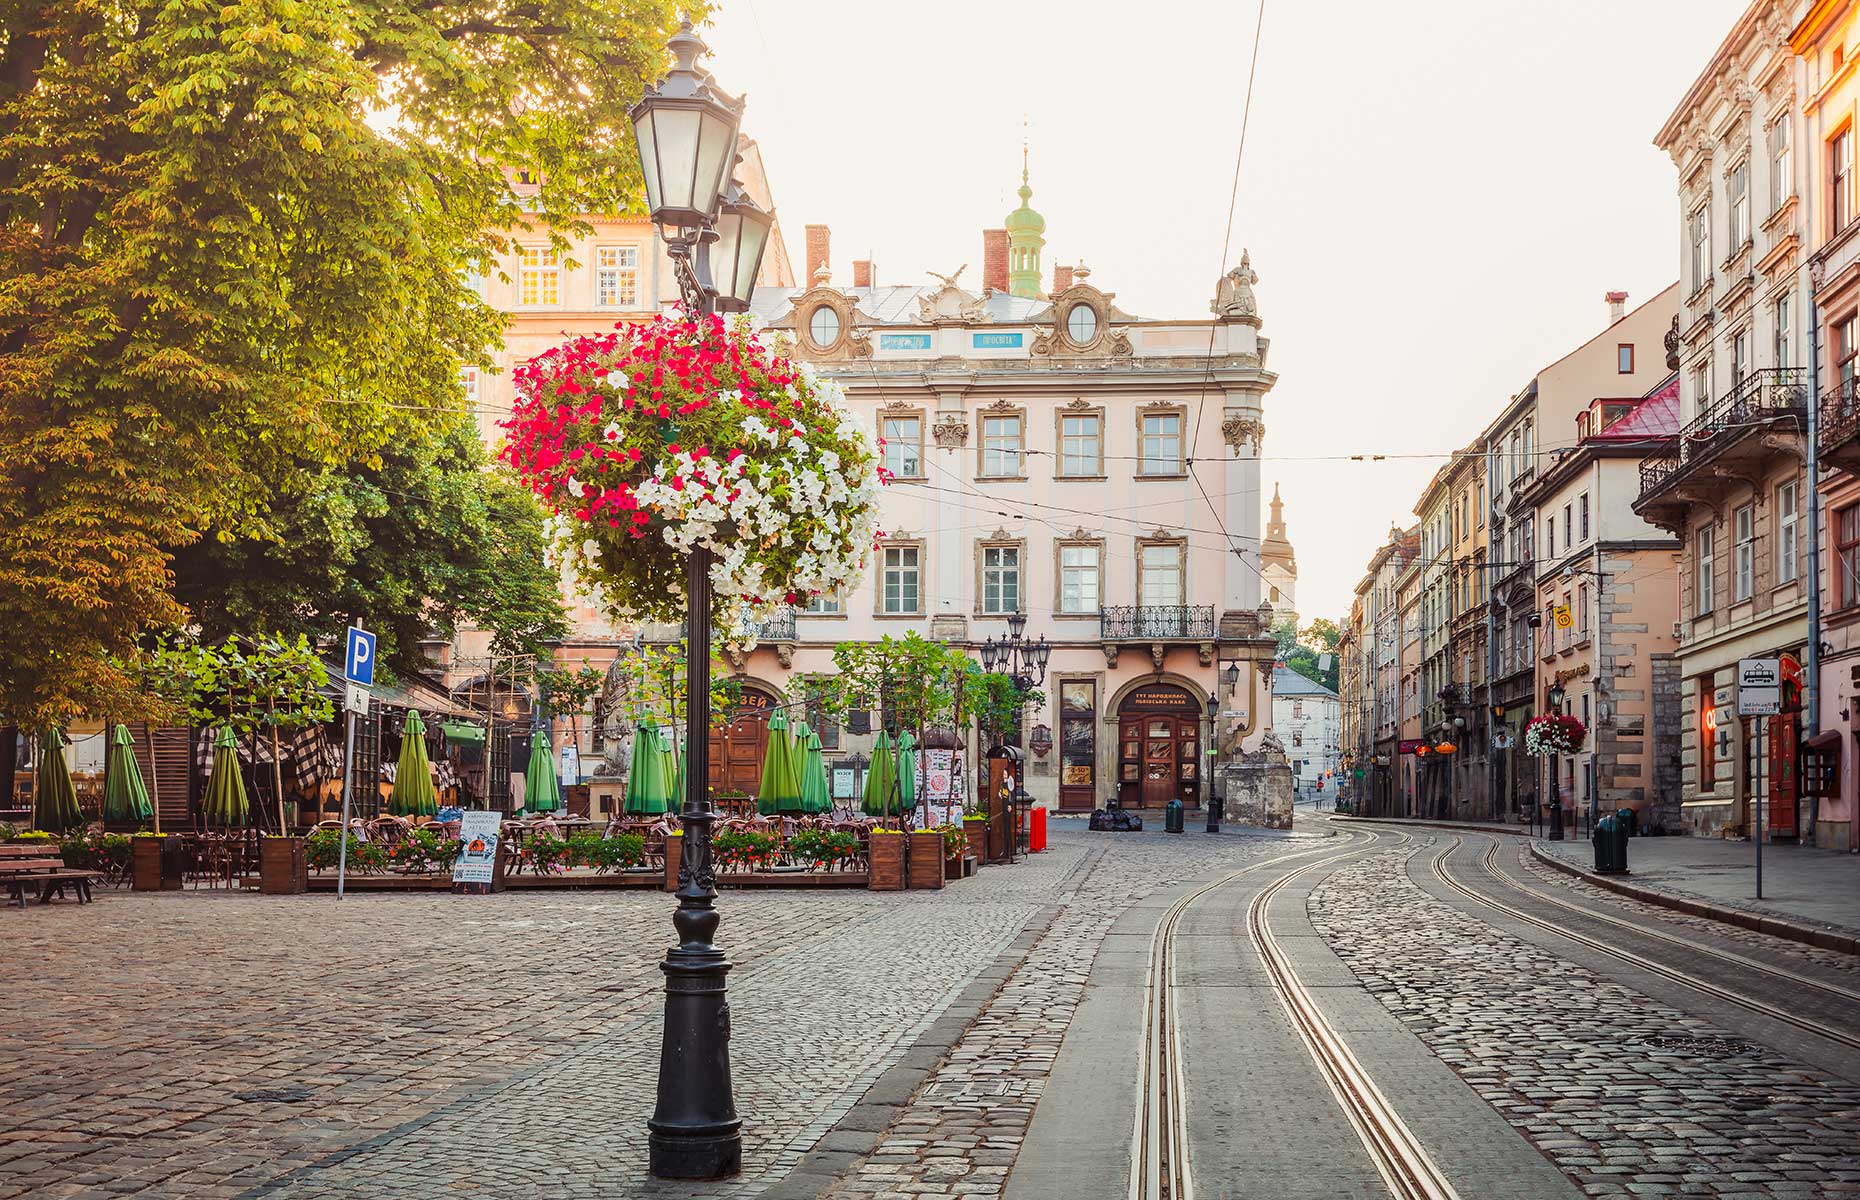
234,240
1302,649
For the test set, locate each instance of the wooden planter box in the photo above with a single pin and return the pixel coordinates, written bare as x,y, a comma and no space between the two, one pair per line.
888,862
282,870
926,860
150,869
977,833
674,850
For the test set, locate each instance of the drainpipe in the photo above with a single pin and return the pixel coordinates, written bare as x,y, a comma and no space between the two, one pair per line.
1812,693
1491,639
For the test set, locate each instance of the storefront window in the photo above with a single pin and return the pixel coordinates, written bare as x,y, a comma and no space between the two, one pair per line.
1078,739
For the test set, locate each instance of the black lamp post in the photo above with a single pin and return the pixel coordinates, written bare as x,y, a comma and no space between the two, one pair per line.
1554,698
686,131
1016,657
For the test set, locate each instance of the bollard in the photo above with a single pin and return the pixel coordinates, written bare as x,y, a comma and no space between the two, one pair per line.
1172,816
1214,813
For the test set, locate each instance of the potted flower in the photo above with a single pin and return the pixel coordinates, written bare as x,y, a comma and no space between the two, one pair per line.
1553,733
157,862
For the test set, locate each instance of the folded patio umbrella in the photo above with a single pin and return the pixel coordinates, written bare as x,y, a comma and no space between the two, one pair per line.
780,790
816,796
125,796
541,792
907,771
878,799
674,771
413,794
649,783
54,798
225,803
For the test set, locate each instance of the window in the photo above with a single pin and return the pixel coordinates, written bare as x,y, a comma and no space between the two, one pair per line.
616,276
1701,386
1081,445
1583,501
902,571
1001,447
1698,237
1000,584
904,444
1740,355
1744,552
1782,167
1841,180
1708,735
1847,555
1517,456
1707,564
1162,444
468,383
1079,570
1550,536
1078,737
1479,504
1737,189
1844,350
1582,609
824,604
1786,543
1081,324
1159,578
1785,329
539,275
823,326
1568,529
1624,359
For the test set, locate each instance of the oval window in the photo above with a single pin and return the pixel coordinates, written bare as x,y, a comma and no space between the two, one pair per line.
824,327
1081,324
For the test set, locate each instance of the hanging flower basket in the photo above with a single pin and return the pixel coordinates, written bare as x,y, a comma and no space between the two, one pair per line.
650,442
1553,734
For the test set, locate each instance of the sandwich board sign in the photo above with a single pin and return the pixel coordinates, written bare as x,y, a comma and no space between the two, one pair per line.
478,838
1759,687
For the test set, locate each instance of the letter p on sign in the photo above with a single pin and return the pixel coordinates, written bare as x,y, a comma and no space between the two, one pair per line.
359,664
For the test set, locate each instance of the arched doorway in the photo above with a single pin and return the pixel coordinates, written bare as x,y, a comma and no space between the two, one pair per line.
1158,747
736,750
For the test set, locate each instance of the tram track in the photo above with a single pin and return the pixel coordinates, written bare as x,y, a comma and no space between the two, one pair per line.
1769,1009
1159,1160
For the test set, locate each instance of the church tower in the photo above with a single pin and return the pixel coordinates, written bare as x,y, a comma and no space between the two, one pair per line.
1278,565
1026,236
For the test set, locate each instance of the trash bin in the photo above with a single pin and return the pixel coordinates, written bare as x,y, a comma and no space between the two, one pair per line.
1629,820
1603,838
1036,840
1172,816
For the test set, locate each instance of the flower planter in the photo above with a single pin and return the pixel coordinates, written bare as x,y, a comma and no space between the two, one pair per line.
925,869
887,862
156,864
976,830
282,869
674,850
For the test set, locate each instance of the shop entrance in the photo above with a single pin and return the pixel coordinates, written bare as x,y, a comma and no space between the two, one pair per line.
736,750
1159,747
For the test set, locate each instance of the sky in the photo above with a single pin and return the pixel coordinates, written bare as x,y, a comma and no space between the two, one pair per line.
1436,196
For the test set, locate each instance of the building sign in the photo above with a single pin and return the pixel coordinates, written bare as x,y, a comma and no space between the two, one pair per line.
843,784
754,701
995,341
1564,619
1160,699
1410,745
478,835
1759,687
1572,673
903,341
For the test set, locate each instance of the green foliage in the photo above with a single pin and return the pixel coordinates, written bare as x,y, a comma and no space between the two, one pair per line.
546,855
106,852
826,847
910,680
234,239
955,841
424,851
365,858
424,537
994,701
248,686
606,854
1300,650
652,687
567,693
745,849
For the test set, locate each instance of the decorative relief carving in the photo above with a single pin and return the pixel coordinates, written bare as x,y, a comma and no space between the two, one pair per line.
1241,432
998,406
859,344
951,431
1118,344
949,304
1078,403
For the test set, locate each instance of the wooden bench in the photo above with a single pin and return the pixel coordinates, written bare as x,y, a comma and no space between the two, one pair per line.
23,865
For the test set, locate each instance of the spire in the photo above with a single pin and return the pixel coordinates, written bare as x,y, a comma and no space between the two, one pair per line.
1276,526
1026,237
1275,547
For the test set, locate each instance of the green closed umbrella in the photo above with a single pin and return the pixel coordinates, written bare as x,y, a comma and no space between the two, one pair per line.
674,771
780,790
816,797
541,791
412,794
54,798
907,771
225,803
649,783
125,796
878,800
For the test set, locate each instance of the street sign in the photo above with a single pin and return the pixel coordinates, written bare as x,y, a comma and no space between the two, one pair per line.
355,700
1564,618
1759,687
358,665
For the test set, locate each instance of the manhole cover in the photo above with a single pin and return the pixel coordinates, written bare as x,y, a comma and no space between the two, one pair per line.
293,1093
1698,1047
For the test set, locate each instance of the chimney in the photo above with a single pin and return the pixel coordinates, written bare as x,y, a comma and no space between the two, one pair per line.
1062,278
1617,306
995,259
817,237
862,272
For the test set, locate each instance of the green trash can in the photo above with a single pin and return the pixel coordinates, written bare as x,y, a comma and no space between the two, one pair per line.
1172,816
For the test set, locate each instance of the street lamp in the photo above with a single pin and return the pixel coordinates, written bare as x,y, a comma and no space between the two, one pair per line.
686,130
1016,657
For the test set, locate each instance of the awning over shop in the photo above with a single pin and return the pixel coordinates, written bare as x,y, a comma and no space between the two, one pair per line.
462,733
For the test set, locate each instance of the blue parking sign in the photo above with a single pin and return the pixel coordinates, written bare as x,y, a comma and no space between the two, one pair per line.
358,665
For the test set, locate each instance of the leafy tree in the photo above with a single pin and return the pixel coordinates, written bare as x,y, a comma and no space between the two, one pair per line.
424,538
234,236
652,689
1301,650
568,693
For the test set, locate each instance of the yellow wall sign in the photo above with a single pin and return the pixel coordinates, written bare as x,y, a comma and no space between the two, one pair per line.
1564,619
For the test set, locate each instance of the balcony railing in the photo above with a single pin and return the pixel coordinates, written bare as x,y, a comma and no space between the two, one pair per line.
1148,622
778,628
1761,396
1840,415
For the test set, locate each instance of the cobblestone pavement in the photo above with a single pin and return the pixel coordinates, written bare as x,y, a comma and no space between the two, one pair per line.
960,1134
1663,1104
217,1045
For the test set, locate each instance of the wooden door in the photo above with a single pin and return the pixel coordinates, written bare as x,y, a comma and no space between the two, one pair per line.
1159,757
1783,783
736,753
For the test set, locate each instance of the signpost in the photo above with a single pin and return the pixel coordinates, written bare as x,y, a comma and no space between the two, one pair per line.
358,667
1759,694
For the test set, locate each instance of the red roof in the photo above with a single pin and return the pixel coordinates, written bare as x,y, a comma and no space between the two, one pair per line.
1657,416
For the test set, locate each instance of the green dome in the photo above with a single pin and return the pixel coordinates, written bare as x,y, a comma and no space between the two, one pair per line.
1024,219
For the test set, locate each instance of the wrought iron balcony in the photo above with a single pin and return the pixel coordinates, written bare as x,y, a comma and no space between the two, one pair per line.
1759,398
1152,622
778,628
1840,425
